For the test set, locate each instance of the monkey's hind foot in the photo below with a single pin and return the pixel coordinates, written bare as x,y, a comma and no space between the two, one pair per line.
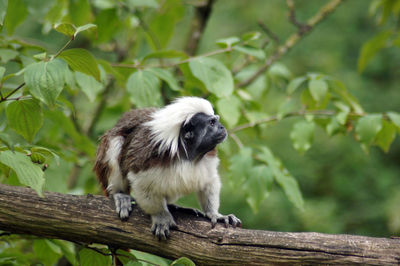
162,223
226,219
123,205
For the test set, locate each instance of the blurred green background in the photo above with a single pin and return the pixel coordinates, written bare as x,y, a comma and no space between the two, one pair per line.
345,190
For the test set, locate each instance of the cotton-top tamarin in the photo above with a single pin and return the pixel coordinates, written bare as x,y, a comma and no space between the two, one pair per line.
161,155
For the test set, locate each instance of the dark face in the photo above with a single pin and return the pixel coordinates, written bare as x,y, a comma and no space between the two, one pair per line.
200,135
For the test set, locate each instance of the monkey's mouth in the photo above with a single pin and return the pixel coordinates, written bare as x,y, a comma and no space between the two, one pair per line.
222,136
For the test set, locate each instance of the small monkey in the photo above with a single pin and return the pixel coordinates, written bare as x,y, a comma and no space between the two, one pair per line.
161,155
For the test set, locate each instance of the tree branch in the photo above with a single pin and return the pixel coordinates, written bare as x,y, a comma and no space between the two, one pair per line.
274,118
91,219
293,40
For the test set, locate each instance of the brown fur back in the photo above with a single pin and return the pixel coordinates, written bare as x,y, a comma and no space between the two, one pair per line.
130,126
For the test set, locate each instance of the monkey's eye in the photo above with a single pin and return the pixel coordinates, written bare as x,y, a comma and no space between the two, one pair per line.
212,122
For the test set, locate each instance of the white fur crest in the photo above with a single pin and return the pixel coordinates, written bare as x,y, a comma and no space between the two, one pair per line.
167,121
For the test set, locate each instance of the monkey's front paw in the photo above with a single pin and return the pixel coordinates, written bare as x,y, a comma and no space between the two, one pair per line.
162,223
123,205
226,219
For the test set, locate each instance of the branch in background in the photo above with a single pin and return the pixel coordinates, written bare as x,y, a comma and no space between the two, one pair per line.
292,18
201,16
138,66
268,31
292,114
293,40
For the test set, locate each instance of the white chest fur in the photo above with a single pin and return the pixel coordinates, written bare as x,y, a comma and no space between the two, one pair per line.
179,179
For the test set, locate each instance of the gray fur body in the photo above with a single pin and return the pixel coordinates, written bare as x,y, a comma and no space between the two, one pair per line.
129,160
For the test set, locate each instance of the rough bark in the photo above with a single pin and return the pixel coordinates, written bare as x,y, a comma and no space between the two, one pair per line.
91,219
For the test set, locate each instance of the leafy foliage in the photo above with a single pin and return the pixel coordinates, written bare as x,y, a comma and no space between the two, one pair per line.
69,69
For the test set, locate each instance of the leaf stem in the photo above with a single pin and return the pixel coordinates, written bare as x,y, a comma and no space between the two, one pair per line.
63,48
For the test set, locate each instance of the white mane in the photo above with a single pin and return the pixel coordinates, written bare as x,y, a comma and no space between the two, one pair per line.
166,123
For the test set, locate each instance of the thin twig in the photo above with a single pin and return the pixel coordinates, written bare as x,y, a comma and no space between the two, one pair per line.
273,118
293,40
137,66
269,32
236,140
11,93
292,18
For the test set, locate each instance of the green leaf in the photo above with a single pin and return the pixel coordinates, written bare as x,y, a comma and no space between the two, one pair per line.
283,177
339,88
46,153
368,127
240,164
165,54
251,36
7,140
83,28
288,106
25,117
3,10
143,3
229,108
67,29
88,257
2,71
81,60
67,249
395,118
169,14
45,80
88,85
228,42
144,88
183,261
279,70
255,52
28,173
334,127
302,135
257,185
318,89
294,84
386,135
166,76
46,251
371,48
125,256
257,88
16,14
215,76
343,114
7,55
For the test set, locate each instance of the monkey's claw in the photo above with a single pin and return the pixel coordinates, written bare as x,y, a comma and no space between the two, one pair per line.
226,219
123,205
161,225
